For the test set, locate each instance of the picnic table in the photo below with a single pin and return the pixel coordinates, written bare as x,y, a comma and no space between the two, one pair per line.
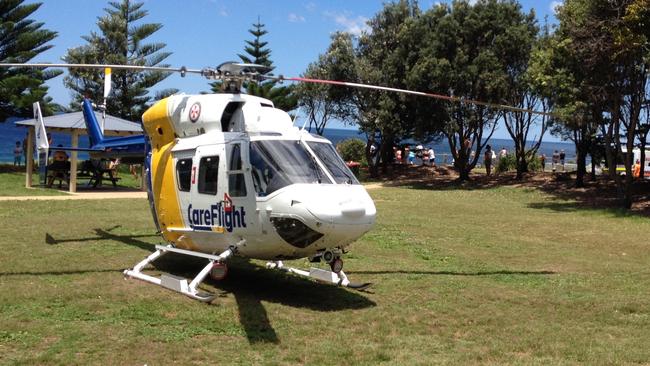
97,172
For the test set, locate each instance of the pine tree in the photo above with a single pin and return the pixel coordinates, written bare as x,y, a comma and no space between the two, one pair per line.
21,40
258,53
256,49
120,41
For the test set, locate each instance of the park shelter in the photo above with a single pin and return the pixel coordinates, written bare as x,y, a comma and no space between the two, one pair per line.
74,124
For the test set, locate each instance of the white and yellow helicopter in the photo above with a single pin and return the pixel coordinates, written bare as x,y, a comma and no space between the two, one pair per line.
229,174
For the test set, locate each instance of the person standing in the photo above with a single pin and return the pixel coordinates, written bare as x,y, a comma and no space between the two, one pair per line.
636,169
555,160
487,160
503,153
432,157
25,147
562,156
18,154
542,160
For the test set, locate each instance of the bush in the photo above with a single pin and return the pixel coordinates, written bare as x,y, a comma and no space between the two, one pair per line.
509,163
352,150
535,164
506,163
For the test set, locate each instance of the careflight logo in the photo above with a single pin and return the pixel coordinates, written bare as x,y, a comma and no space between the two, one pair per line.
220,215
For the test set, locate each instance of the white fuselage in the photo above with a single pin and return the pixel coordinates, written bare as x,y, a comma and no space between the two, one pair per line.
256,177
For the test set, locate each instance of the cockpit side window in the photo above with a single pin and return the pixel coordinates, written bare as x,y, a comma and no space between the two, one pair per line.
236,180
208,175
333,162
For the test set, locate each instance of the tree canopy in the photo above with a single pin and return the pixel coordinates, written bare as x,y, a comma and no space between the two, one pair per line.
22,39
120,40
257,52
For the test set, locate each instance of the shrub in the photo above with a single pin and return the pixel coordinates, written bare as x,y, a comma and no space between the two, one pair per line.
509,163
534,164
506,163
352,150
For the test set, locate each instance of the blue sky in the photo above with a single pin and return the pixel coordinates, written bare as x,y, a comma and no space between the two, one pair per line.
204,33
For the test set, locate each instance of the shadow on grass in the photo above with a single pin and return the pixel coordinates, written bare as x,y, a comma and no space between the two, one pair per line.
455,273
597,194
105,234
60,273
251,284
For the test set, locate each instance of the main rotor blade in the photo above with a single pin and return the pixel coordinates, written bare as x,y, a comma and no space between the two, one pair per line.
181,70
406,91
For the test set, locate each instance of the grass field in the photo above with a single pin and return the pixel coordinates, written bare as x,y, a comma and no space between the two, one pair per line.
494,276
13,184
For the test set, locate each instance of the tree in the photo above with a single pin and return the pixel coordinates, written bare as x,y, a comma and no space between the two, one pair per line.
606,46
22,39
519,41
323,102
256,52
120,41
384,57
468,52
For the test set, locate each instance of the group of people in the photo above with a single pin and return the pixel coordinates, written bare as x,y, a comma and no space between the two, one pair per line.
557,159
418,156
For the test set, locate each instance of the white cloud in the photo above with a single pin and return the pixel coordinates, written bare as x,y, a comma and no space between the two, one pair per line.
310,6
554,4
352,25
295,18
223,12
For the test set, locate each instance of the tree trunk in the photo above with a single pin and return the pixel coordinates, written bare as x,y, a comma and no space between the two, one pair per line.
385,152
582,168
522,167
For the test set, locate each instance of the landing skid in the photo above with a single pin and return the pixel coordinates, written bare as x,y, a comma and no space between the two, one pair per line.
321,275
176,283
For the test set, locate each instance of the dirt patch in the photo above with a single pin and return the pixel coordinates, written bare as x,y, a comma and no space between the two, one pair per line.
79,196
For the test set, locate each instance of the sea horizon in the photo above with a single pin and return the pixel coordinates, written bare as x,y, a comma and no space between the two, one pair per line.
10,133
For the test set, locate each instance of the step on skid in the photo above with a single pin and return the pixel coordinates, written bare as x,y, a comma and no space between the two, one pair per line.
321,275
180,284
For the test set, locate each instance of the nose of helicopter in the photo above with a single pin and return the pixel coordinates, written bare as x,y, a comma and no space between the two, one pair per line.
339,214
337,204
343,205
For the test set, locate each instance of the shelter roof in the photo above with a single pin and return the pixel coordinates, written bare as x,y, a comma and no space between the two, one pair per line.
67,122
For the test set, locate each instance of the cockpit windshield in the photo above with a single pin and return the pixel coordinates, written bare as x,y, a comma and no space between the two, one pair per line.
278,163
337,168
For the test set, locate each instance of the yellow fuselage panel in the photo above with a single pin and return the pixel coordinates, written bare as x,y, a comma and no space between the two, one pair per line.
158,126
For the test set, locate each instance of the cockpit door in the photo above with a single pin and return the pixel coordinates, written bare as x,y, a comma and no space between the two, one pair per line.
239,184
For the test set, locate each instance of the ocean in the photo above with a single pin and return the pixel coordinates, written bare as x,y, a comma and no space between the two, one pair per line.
10,133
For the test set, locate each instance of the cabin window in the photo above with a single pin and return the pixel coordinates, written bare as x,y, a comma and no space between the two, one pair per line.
184,174
208,175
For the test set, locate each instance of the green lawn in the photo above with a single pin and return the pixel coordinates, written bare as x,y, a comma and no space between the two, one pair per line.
13,184
494,276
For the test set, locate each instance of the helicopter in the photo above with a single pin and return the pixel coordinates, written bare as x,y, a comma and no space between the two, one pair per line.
229,174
